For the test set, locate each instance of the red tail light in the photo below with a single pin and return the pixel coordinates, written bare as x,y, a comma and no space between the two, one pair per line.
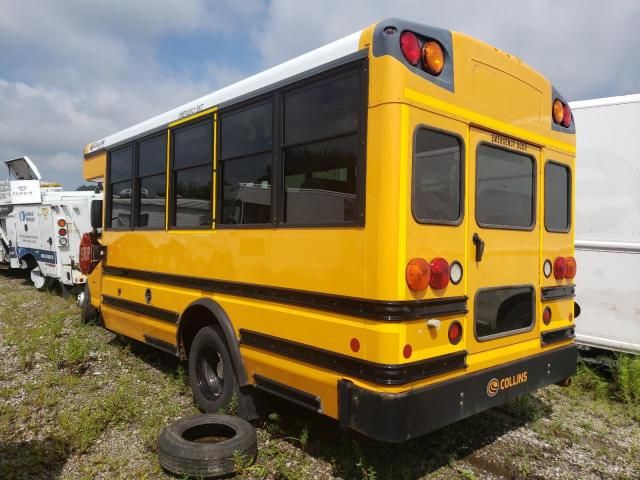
560,268
546,315
455,332
440,273
410,47
418,274
566,116
572,267
407,351
62,232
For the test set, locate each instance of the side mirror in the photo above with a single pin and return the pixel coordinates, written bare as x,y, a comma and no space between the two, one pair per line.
96,214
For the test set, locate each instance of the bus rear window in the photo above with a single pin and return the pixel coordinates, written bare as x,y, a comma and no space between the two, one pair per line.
505,186
437,163
557,200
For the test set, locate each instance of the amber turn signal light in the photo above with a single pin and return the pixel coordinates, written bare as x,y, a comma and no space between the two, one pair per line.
418,274
433,57
558,111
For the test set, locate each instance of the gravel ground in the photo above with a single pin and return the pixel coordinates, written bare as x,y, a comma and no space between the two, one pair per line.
79,402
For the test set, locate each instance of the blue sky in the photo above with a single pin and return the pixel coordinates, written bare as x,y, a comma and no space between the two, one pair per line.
73,71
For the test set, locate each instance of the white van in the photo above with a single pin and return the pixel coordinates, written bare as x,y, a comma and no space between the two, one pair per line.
608,222
41,226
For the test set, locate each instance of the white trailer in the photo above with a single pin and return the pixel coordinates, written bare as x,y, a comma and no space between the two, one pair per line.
41,226
607,222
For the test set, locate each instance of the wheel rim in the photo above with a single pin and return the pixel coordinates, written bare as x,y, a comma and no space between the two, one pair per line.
37,278
210,371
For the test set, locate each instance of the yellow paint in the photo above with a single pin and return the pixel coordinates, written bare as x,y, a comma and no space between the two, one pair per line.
494,92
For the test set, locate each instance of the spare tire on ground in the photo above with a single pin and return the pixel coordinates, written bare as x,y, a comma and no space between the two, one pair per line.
207,445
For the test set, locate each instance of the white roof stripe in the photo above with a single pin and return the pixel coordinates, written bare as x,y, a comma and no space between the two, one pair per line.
328,53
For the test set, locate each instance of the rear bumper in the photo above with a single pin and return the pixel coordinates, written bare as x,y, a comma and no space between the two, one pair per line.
399,417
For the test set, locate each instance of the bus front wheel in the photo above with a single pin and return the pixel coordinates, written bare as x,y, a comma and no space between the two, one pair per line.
211,373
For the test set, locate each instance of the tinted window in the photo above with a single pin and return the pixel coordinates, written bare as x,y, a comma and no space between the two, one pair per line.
320,182
120,188
322,152
323,110
247,131
152,156
504,188
192,145
246,165
151,207
436,177
557,199
192,175
121,164
503,310
151,191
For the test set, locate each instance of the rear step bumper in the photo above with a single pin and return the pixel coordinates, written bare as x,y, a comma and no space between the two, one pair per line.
399,417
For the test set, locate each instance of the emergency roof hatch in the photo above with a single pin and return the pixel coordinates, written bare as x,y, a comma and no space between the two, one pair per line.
22,168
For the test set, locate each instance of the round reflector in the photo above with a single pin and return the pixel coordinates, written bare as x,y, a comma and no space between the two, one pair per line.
546,315
433,57
84,258
456,272
440,273
62,222
410,47
62,232
572,267
566,116
407,351
558,111
417,274
62,242
560,268
547,268
455,332
355,345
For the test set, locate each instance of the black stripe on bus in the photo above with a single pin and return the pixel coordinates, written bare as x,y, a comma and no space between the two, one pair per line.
294,395
391,311
558,292
160,344
379,373
142,309
558,335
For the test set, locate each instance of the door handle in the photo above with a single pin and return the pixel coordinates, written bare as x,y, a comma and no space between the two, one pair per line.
479,243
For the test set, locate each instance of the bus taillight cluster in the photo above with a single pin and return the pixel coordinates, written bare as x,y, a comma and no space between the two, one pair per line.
564,267
561,113
436,274
429,51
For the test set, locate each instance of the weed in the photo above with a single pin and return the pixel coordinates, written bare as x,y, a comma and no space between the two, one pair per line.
628,378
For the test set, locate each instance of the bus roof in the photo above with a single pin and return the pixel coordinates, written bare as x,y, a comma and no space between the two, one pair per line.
331,52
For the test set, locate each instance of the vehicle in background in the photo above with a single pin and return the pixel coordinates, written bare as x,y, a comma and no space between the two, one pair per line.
378,230
607,222
41,226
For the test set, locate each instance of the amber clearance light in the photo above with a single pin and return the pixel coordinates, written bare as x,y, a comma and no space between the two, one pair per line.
433,57
558,111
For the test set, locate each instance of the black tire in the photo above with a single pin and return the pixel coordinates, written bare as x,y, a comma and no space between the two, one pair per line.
211,373
207,445
88,313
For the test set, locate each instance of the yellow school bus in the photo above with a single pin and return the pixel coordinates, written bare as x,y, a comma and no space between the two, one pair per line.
379,230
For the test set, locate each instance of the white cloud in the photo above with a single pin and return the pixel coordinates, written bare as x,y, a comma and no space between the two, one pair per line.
72,71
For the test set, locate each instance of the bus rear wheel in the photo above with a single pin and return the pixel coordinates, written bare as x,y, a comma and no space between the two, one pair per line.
211,374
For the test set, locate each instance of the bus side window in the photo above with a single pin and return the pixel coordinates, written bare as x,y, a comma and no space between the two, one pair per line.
557,197
120,188
246,159
321,151
192,172
151,182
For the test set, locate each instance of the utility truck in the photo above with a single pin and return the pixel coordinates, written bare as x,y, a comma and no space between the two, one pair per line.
607,213
41,226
